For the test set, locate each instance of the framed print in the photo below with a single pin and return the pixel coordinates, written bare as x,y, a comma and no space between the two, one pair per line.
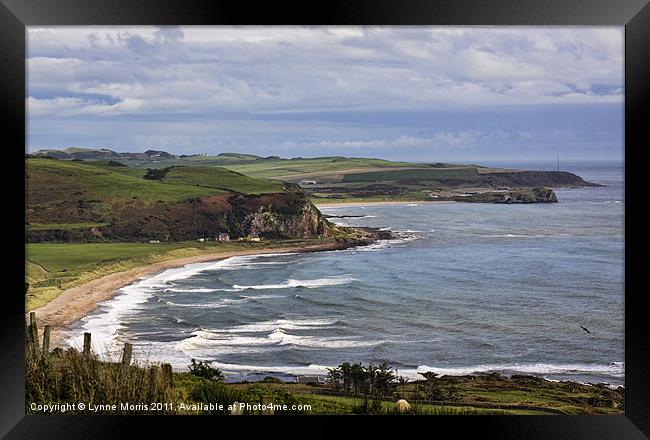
419,210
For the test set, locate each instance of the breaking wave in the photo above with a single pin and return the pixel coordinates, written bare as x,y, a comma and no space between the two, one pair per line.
308,284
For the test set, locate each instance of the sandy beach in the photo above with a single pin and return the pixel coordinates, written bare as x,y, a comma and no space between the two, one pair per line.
348,204
77,302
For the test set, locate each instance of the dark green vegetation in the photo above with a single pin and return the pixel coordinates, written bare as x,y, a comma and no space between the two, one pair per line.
377,380
345,179
204,370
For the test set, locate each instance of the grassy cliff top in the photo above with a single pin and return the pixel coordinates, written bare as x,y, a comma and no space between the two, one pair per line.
52,178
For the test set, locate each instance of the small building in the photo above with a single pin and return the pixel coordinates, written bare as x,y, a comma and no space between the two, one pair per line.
201,239
223,237
308,379
308,182
154,241
250,238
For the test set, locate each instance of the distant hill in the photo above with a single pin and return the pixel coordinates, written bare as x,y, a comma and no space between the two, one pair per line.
339,178
103,154
152,157
99,200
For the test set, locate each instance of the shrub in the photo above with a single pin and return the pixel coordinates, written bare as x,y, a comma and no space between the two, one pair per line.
368,407
271,379
204,370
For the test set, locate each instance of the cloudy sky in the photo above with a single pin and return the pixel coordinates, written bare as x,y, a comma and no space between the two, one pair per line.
412,93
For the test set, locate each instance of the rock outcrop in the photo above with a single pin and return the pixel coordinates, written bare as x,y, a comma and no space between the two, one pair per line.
287,215
532,195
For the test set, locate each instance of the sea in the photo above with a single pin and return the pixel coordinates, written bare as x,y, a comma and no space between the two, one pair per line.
461,288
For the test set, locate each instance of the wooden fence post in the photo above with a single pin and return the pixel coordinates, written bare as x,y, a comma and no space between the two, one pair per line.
87,344
28,337
46,340
153,381
126,354
33,333
167,375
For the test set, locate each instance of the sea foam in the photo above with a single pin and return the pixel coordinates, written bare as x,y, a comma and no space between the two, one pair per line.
309,284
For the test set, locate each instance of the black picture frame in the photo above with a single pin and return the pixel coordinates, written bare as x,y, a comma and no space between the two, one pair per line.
15,15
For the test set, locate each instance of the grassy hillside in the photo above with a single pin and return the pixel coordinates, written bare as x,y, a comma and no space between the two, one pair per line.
72,195
123,183
50,181
220,178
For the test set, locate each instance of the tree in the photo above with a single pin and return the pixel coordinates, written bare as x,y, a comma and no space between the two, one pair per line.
402,385
371,378
358,377
346,375
384,379
335,377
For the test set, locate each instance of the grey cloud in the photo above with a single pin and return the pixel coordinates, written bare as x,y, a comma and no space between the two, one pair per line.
379,68
110,76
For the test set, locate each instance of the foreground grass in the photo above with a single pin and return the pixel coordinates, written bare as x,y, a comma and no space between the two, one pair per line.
72,377
321,404
51,268
482,394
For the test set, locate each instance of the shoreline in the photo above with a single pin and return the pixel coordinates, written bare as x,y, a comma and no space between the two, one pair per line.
397,202
78,302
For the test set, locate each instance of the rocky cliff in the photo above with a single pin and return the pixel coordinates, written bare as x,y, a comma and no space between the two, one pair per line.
288,214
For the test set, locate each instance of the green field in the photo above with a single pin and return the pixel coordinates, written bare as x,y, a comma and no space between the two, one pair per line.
57,179
413,174
289,167
322,404
100,180
221,178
